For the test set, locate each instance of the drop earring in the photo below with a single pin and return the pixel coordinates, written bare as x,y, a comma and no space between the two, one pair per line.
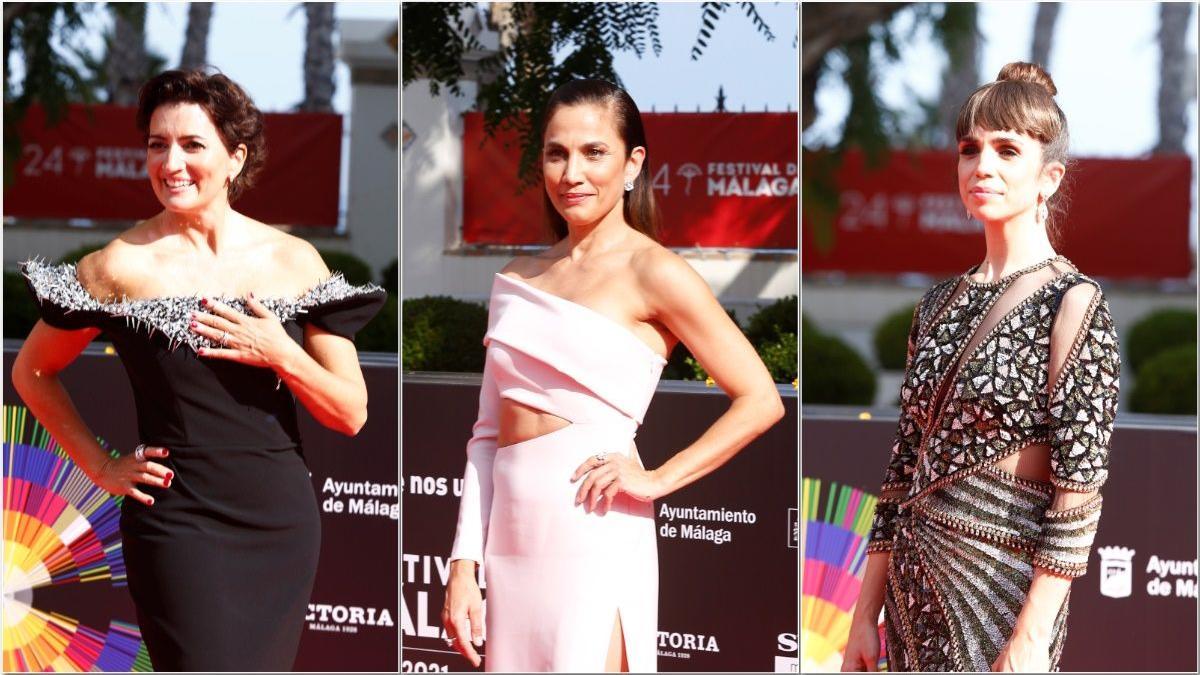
1043,213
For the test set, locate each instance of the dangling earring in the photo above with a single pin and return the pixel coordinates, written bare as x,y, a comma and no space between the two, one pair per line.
1043,213
628,185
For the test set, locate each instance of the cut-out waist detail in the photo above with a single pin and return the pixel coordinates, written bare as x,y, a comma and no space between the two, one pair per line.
1031,463
596,436
520,421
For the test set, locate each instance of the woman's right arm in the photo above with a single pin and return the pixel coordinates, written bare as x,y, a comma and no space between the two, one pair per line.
462,614
45,353
862,647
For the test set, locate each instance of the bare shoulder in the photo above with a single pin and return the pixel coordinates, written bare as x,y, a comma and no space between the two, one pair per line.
518,266
666,279
119,268
297,259
526,266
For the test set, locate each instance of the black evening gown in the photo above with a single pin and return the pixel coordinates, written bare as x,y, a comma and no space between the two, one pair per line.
222,565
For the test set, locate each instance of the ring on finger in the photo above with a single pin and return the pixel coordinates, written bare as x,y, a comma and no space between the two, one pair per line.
602,457
449,641
139,453
224,338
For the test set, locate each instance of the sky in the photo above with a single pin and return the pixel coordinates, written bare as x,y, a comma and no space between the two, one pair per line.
1104,63
259,45
268,65
754,72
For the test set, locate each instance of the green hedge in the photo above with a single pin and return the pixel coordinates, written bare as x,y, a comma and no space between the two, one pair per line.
771,331
1167,383
444,334
20,311
833,372
351,266
1158,331
891,338
773,320
389,277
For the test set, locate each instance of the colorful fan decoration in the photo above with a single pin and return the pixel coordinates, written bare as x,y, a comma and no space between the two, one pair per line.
60,529
833,546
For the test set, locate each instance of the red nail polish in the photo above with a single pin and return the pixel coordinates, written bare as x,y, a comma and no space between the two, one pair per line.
193,324
151,501
170,476
203,302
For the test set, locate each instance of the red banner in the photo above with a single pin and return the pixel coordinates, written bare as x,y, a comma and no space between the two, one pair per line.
93,165
725,180
1128,218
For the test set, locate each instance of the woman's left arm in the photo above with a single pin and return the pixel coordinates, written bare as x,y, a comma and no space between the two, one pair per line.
681,300
323,374
1084,377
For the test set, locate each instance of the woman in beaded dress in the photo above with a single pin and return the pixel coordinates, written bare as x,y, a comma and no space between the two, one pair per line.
991,499
222,323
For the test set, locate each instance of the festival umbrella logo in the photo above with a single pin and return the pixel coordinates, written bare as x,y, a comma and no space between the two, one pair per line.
833,545
63,567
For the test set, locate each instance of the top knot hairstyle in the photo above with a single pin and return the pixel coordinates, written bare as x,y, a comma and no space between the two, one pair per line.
639,209
237,119
1022,100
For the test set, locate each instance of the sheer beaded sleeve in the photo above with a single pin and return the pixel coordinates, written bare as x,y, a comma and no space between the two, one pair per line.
1082,408
898,476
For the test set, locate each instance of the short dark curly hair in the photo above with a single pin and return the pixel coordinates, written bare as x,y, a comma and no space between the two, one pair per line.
235,116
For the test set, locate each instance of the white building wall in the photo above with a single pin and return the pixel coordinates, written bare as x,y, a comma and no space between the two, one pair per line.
371,213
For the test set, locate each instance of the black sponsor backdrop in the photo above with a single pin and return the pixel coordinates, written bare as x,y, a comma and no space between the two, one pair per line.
358,553
1149,506
726,607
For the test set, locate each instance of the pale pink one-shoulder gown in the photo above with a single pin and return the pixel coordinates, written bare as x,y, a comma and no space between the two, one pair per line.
557,576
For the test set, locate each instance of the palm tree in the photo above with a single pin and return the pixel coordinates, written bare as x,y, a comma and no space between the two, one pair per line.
127,60
1043,32
195,42
318,57
1176,82
961,76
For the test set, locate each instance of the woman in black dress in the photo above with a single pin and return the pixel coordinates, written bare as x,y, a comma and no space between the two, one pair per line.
221,323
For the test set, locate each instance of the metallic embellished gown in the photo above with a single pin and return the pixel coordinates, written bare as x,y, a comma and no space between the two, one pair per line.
221,567
993,369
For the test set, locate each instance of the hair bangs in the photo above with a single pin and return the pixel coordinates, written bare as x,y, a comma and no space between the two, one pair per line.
1009,106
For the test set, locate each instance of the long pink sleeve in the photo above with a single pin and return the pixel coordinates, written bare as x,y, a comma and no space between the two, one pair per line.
476,505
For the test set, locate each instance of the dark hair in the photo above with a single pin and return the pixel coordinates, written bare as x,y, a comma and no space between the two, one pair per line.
639,209
1022,100
232,112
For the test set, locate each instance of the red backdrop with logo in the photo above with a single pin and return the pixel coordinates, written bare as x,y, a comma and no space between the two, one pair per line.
721,180
93,165
1128,218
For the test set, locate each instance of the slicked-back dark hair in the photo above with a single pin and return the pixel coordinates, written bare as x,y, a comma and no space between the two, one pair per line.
639,208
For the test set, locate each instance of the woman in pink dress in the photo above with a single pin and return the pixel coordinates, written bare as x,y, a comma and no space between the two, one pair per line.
556,503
